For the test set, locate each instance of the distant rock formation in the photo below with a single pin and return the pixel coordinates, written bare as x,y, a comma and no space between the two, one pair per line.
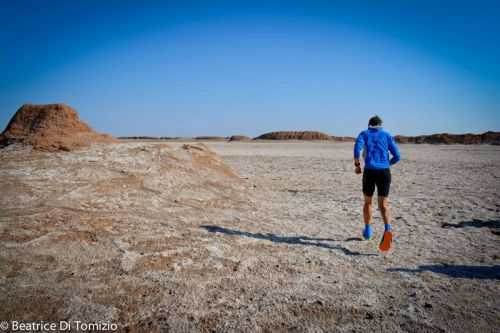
139,137
147,137
239,138
445,138
50,127
294,135
343,138
210,138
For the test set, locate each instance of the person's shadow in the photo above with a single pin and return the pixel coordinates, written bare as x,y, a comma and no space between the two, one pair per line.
293,240
493,225
456,271
474,223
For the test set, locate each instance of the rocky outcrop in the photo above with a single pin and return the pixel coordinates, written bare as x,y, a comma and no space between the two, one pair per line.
50,127
343,138
210,138
445,138
239,138
106,216
294,135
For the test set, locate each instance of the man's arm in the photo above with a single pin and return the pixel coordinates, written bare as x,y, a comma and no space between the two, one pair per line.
396,156
358,146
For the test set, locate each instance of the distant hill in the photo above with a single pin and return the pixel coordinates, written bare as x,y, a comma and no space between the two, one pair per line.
51,127
147,138
343,138
239,138
445,138
489,137
294,135
210,138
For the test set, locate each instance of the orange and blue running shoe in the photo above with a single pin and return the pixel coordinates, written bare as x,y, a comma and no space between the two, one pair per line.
385,244
367,233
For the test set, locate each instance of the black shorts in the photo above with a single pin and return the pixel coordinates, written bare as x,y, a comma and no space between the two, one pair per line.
377,177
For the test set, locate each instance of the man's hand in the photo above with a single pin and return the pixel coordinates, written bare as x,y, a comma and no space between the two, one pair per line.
357,166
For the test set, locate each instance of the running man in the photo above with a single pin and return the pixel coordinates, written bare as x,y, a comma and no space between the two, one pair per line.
376,145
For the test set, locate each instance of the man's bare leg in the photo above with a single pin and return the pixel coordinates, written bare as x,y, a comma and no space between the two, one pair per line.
367,210
383,205
367,216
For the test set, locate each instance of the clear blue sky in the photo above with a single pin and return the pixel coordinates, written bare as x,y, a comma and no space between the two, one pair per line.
186,68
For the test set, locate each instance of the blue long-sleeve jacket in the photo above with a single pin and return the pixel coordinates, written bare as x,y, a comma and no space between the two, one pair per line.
377,144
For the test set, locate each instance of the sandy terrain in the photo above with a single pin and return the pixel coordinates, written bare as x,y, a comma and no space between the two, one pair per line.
109,234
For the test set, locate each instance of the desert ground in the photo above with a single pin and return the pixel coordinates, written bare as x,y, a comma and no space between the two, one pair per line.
261,237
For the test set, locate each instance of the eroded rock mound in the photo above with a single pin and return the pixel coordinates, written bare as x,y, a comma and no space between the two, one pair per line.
343,138
445,138
294,135
239,138
210,138
50,127
116,213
